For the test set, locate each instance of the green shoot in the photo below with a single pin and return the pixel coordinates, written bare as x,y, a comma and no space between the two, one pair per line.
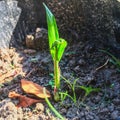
72,86
88,90
63,95
114,60
51,83
57,46
51,106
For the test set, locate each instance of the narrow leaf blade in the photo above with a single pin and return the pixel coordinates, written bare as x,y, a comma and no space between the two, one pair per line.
52,30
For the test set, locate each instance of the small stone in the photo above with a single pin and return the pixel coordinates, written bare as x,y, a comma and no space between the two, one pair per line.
39,107
72,62
30,41
72,112
96,118
77,68
104,111
116,101
29,51
81,114
81,62
76,118
111,108
118,118
114,115
63,111
41,38
66,75
97,99
90,117
89,78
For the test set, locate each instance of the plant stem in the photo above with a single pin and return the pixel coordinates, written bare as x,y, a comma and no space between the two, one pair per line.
56,72
74,96
51,107
56,77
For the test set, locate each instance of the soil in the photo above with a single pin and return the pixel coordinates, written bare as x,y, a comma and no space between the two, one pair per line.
83,61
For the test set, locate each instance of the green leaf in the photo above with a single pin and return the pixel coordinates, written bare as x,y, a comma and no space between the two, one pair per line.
51,83
88,90
53,34
61,48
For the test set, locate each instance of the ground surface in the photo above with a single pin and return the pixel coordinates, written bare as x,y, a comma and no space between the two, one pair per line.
82,61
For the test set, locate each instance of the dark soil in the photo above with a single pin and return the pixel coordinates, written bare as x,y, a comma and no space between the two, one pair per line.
82,61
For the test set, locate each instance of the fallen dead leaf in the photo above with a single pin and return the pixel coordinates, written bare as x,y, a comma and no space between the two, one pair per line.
23,100
11,73
10,64
33,88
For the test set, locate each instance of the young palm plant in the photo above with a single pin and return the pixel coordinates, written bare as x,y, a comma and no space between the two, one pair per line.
57,46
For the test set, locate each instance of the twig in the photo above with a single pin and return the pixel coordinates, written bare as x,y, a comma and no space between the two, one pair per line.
102,65
30,72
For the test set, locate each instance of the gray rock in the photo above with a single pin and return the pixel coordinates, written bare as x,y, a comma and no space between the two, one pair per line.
114,115
9,16
91,20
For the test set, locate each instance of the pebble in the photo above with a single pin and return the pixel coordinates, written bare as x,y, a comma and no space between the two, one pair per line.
118,118
72,112
81,62
116,101
81,114
97,99
29,51
40,107
76,118
104,111
63,111
71,63
114,115
111,108
77,68
66,75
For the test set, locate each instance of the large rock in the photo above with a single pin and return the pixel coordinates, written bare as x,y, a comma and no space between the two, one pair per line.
86,20
9,15
77,19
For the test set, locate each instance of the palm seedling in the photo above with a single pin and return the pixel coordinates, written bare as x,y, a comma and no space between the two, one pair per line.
57,46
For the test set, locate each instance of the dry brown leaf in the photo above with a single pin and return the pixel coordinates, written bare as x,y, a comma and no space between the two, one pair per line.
33,88
11,73
23,100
